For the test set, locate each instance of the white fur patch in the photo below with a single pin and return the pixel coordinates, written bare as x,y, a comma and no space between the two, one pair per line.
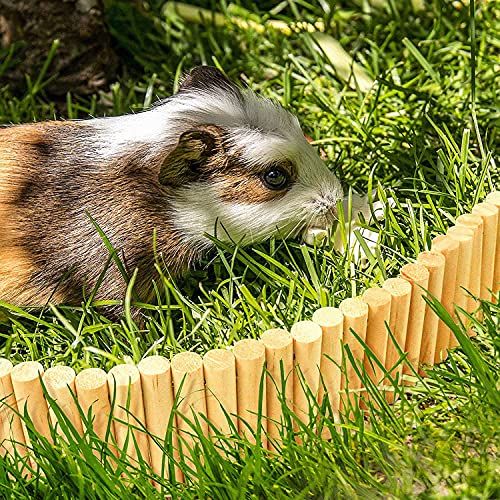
161,126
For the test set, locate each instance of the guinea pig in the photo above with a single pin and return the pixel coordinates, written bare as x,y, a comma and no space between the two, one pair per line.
211,159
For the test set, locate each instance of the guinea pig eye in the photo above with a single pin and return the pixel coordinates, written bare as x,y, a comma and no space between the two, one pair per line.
276,179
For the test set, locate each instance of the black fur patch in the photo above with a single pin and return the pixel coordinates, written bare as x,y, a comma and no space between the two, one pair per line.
206,78
28,191
43,149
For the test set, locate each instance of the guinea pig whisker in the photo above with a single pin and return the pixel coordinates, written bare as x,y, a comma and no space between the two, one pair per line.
302,223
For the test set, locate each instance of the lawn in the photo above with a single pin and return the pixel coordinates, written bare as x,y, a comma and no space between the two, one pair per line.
420,126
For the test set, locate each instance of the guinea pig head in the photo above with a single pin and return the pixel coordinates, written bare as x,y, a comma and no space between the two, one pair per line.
242,169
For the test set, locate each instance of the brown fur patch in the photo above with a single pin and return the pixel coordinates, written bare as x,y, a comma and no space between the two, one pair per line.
17,162
197,148
234,188
16,271
244,184
22,147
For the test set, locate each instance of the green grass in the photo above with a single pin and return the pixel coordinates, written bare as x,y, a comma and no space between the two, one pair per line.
426,135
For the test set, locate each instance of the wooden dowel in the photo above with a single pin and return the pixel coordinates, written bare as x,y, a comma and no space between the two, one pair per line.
476,223
158,399
127,408
307,337
60,384
435,264
11,431
418,276
465,238
355,313
30,397
250,357
494,199
93,397
400,290
219,368
489,214
278,344
449,248
189,390
331,321
378,301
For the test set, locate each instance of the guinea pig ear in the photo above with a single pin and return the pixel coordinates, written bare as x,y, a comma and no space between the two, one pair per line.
195,147
207,78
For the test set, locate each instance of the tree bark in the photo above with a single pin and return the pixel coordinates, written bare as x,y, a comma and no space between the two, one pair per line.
84,60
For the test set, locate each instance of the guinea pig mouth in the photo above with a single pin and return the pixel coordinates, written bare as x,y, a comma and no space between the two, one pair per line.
314,235
316,232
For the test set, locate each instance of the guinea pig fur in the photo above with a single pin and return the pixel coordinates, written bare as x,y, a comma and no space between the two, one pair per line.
210,159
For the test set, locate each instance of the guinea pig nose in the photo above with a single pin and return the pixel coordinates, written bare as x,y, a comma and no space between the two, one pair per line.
329,212
326,206
332,212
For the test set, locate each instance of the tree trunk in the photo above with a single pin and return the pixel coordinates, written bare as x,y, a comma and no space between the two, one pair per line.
84,60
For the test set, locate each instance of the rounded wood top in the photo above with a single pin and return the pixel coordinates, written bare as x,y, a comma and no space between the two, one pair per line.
276,338
249,349
376,297
58,377
485,209
186,362
306,332
91,378
328,317
469,220
415,272
153,365
460,233
444,243
123,375
5,367
26,371
494,198
218,359
353,308
398,287
431,259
